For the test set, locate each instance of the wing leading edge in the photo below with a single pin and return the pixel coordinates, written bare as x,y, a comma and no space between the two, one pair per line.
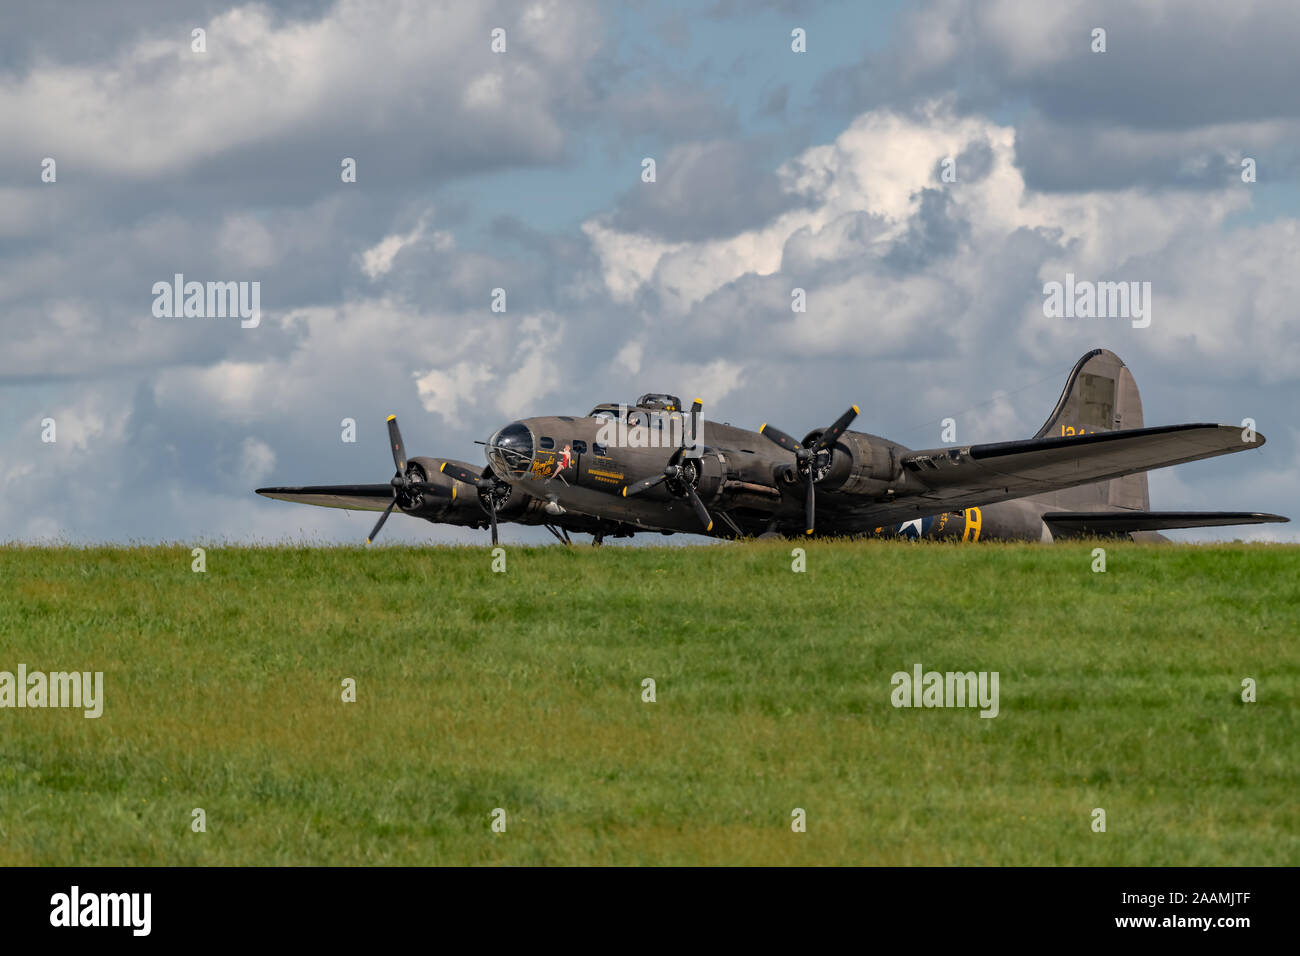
1102,523
351,497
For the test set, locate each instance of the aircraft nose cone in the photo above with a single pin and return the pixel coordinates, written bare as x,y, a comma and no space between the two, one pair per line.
510,450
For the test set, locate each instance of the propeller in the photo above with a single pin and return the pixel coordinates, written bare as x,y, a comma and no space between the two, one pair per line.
811,462
490,489
681,479
696,406
682,474
404,482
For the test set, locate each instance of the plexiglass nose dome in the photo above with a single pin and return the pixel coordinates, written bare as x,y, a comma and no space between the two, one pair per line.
510,450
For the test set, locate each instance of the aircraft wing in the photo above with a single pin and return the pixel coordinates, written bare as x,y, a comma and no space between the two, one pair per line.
1101,523
378,497
352,497
955,478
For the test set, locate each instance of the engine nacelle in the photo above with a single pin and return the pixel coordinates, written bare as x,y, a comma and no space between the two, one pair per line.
729,480
428,504
712,470
860,464
512,502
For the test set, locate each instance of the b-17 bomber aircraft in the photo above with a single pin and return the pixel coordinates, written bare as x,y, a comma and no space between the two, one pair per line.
656,467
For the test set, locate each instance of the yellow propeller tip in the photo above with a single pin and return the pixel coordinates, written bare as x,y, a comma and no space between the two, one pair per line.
700,401
855,410
453,492
710,527
391,417
625,492
809,531
761,427
442,467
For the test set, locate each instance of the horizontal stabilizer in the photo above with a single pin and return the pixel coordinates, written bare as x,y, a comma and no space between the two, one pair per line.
352,497
1102,523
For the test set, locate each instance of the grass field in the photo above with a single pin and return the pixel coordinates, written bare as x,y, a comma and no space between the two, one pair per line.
523,690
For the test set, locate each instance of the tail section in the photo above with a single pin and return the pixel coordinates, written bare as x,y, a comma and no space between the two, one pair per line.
1100,395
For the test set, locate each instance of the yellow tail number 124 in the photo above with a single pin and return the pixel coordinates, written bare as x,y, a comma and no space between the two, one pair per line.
974,521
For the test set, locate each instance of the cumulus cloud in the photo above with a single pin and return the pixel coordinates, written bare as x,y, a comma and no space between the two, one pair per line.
158,106
256,460
378,259
1179,88
703,190
890,259
442,392
923,296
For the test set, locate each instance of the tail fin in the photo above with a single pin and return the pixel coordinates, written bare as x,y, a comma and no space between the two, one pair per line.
1100,395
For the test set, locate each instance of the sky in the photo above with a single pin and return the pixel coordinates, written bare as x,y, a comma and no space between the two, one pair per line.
820,169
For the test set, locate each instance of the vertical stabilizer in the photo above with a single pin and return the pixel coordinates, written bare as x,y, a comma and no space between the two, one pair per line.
1100,395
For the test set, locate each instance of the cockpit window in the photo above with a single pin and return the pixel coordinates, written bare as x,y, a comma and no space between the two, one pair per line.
510,450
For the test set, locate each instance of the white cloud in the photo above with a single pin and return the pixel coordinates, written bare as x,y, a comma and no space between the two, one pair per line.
1222,295
443,391
159,106
245,243
536,374
721,376
378,259
629,357
84,425
177,421
256,460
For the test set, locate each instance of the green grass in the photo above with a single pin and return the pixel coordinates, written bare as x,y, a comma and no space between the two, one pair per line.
523,691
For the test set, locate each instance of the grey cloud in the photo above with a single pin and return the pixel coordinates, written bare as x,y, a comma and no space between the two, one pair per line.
268,104
1204,66
1209,63
88,31
775,102
974,162
674,30
725,9
670,113
932,233
1066,156
704,190
181,403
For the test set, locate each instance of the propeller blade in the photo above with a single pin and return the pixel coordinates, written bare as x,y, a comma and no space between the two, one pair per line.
809,505
399,449
459,473
701,511
382,518
492,511
781,438
637,487
832,434
696,407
